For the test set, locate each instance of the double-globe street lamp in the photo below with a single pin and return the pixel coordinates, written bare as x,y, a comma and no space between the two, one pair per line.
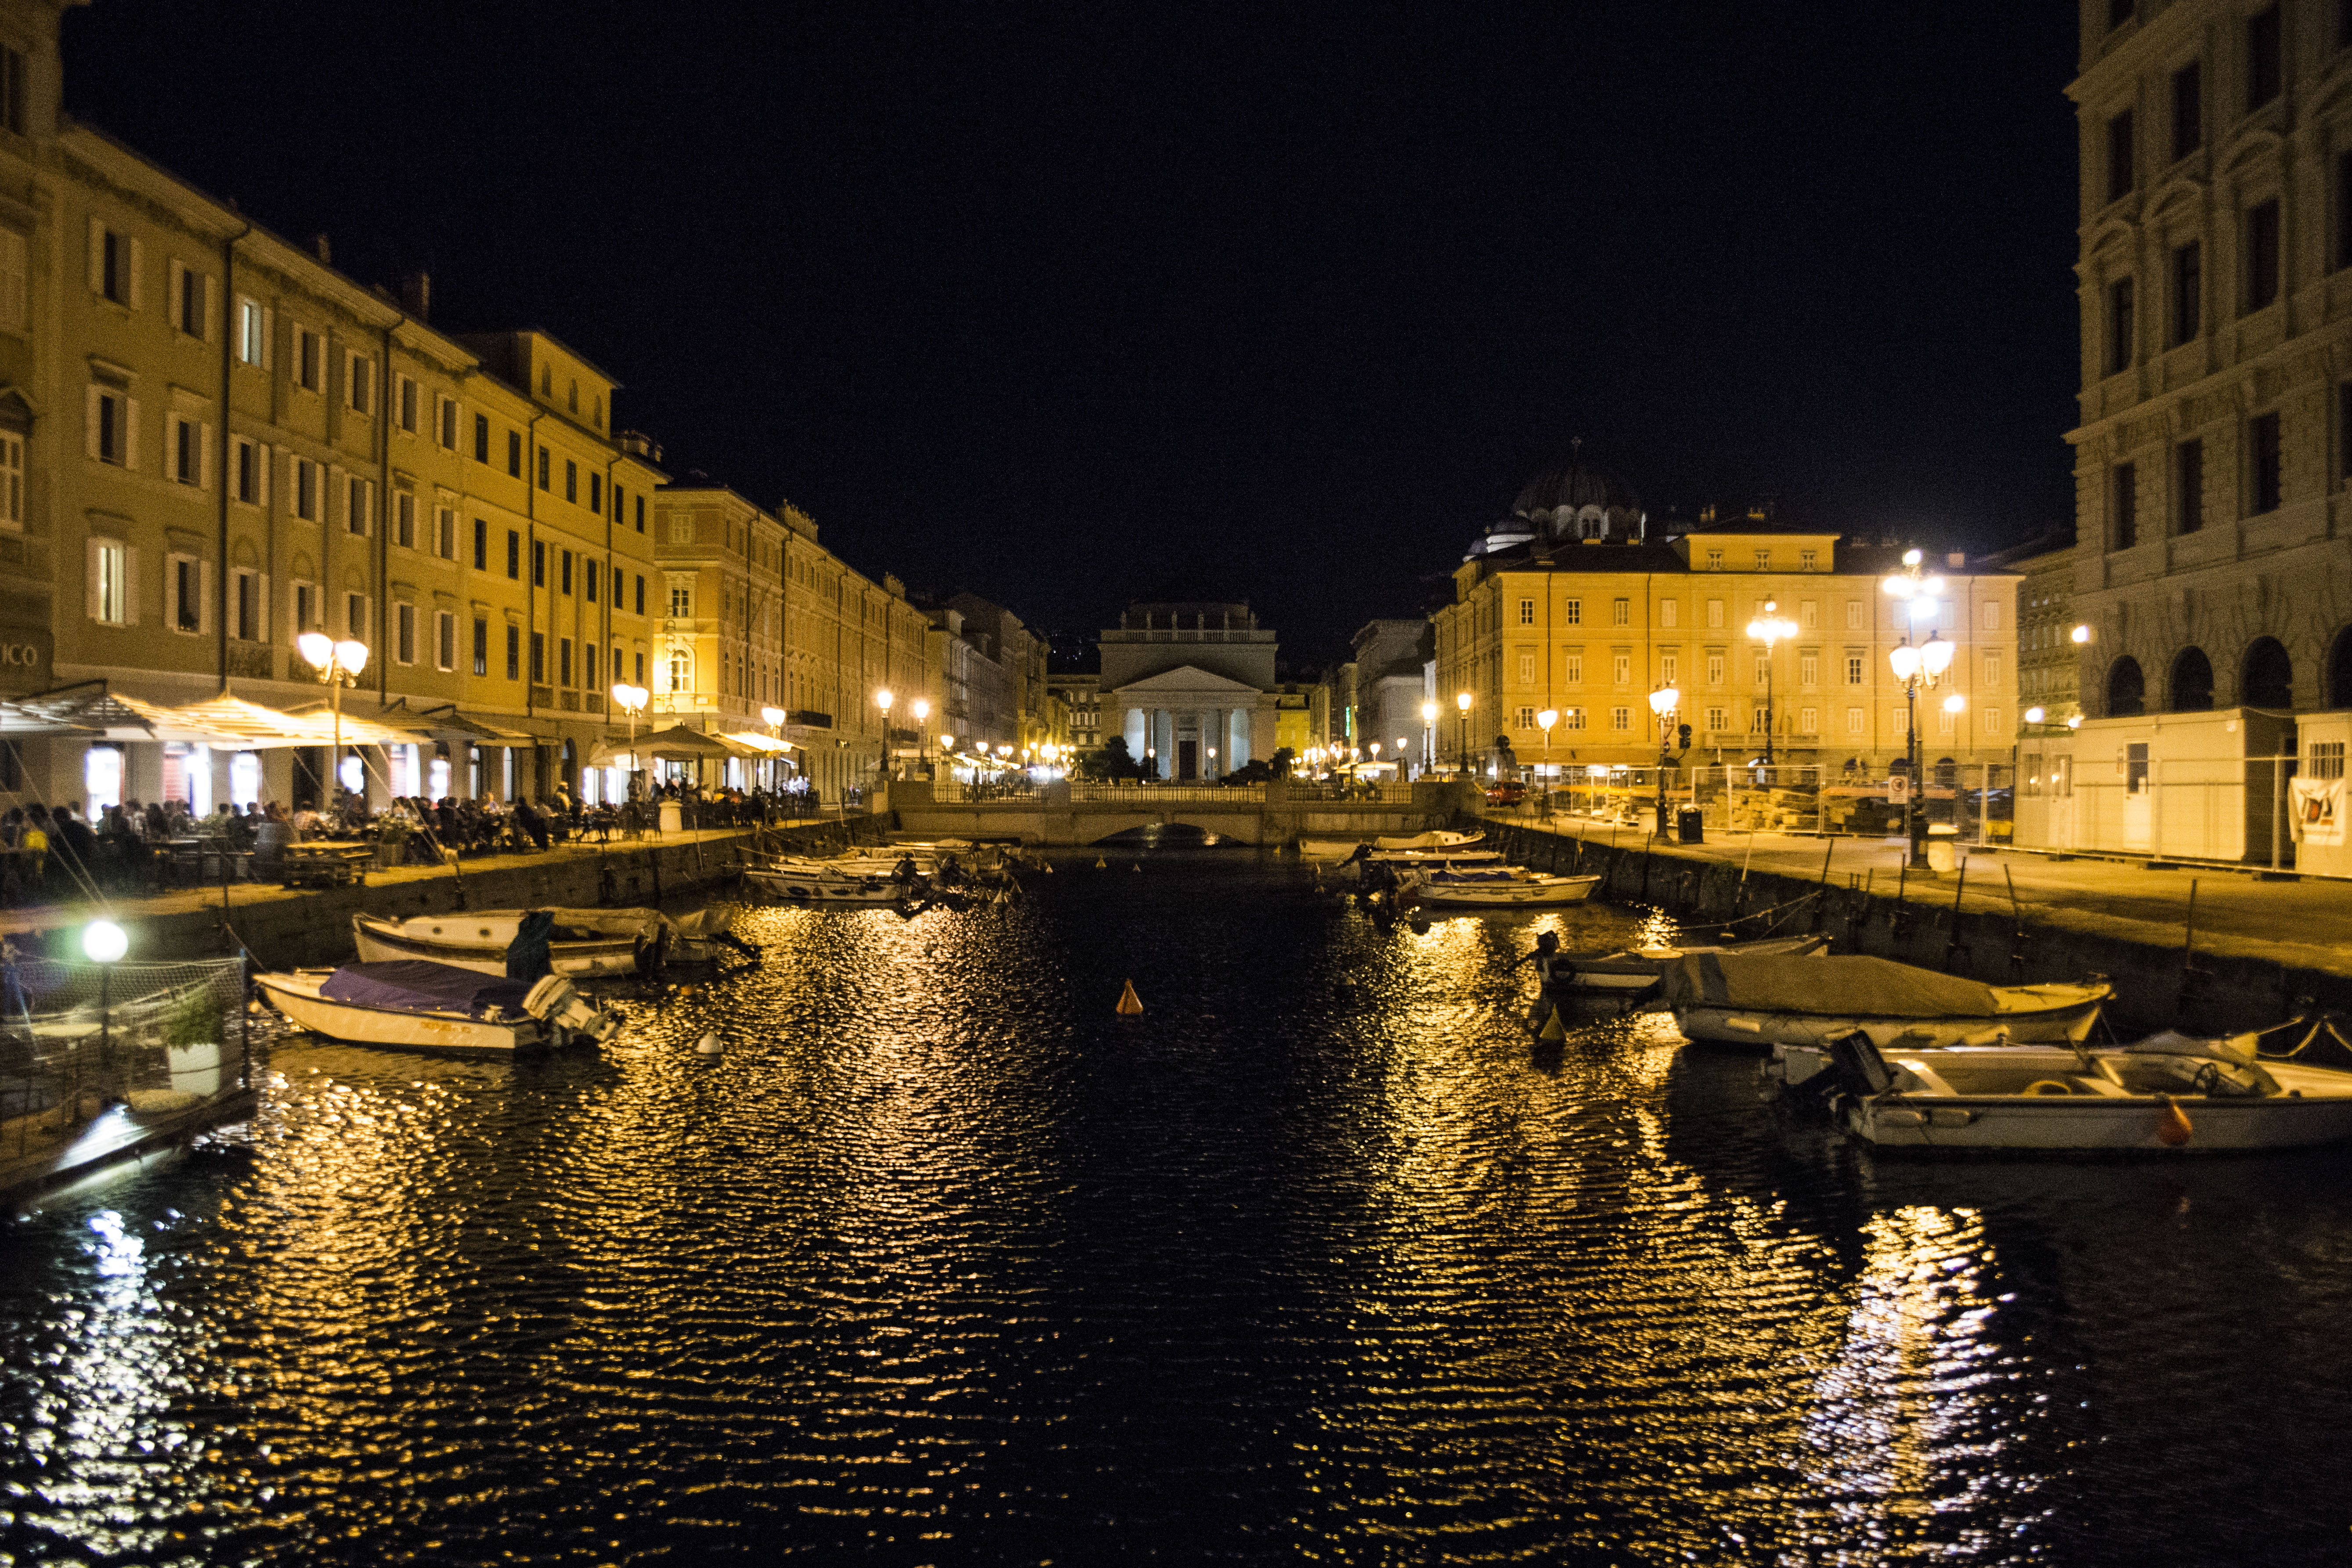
1920,595
1664,703
1461,701
631,700
339,665
1429,737
1769,627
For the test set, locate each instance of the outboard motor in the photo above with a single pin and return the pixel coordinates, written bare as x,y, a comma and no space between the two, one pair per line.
555,1002
1861,1071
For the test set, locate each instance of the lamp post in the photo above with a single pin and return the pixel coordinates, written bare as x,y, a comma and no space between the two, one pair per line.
1769,628
1428,737
922,711
882,699
339,665
1461,701
1664,701
631,699
104,942
774,719
1920,595
1545,720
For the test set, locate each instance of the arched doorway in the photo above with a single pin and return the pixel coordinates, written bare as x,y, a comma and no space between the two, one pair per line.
2267,677
2340,670
2127,689
2192,682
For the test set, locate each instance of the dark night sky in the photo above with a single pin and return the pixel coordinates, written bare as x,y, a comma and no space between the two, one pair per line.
1063,303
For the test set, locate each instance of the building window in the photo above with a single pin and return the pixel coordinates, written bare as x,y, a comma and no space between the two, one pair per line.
1574,669
403,518
246,482
2188,485
2262,255
1573,613
1853,668
184,576
1809,721
445,421
481,437
641,601
570,481
481,645
1718,720
309,360
1621,717
2188,292
110,587
2263,62
444,640
185,452
681,670
445,532
1715,670
2119,325
359,506
1809,670
1669,612
2187,109
1763,561
2323,759
639,677
404,634
1526,669
1853,615
306,490
360,383
114,266
1571,718
1992,669
538,658
1527,611
1527,719
545,461
538,563
1668,663
2263,462
408,404
2119,156
1763,668
1854,721
2123,486
514,652
564,571
189,303
563,661
1808,559
1620,611
1621,666
589,572
246,627
514,555
1993,614
681,601
514,454
481,544
252,333
110,425
306,607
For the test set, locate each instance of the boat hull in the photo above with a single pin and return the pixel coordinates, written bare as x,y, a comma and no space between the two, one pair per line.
448,1035
382,940
867,891
1620,973
1530,894
1759,1030
2086,1124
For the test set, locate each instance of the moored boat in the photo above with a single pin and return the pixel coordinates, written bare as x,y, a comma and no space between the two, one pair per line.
415,1004
585,942
2170,1093
1635,971
1435,840
1508,887
1762,1000
826,887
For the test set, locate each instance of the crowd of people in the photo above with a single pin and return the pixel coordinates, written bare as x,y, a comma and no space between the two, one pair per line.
53,853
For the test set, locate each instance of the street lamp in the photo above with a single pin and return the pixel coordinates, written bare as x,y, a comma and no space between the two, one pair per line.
922,711
1461,701
631,700
1212,761
1664,701
1916,667
883,700
1769,628
1428,737
104,942
1545,720
339,665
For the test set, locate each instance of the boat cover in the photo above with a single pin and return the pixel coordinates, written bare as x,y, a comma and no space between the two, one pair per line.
1474,876
1850,985
420,985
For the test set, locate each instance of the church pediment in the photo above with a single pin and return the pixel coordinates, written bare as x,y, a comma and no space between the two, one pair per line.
1190,680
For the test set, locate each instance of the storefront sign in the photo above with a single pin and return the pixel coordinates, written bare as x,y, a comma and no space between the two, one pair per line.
25,660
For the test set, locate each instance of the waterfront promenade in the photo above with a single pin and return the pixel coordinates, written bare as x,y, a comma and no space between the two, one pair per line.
2304,924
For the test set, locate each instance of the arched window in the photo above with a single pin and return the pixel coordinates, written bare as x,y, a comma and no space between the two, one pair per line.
2267,677
2340,670
681,670
2127,689
2192,682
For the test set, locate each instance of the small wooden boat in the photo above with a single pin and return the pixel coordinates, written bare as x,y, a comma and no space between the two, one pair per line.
585,942
1633,973
2170,1093
415,1004
827,888
1438,839
1510,888
1761,1001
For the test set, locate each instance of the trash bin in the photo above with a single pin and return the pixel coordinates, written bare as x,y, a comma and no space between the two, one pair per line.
672,818
1690,824
1942,855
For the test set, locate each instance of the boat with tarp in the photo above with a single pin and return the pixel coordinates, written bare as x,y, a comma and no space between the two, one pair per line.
415,1004
1633,973
1729,998
1501,888
581,942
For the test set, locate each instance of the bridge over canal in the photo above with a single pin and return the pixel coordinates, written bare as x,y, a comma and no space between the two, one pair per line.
1072,811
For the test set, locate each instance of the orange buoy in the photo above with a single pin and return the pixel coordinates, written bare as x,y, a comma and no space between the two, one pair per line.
1130,1006
2172,1124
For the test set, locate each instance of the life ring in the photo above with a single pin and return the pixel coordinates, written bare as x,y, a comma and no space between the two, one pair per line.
2048,1086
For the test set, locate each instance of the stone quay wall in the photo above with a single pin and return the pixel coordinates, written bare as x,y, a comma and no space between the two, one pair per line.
2155,987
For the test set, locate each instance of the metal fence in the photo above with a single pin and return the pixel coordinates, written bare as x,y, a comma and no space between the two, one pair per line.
1972,802
1166,794
2234,809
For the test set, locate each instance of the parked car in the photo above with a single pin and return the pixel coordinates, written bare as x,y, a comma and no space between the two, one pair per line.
1506,792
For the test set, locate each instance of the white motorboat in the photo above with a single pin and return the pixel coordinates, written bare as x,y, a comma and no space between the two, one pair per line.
585,941
2170,1093
1508,887
415,1004
826,887
1636,970
1438,839
1775,1000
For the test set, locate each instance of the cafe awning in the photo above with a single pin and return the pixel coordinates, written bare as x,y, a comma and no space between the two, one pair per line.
255,727
95,710
446,724
758,746
675,745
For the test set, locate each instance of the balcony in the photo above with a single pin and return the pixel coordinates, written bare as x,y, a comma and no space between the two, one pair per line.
809,718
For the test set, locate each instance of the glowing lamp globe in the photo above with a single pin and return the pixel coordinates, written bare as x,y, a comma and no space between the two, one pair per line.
104,942
351,655
316,648
1905,660
1461,701
2035,715
1936,655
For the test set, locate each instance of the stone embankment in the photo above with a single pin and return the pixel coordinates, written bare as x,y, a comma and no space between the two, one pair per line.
2156,984
284,928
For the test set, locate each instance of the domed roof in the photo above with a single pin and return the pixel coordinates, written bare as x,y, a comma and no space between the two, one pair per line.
1575,484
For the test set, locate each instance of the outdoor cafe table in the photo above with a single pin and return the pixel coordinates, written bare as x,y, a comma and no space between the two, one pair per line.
324,864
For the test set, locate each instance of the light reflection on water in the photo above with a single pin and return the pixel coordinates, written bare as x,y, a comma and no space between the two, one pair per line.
941,1261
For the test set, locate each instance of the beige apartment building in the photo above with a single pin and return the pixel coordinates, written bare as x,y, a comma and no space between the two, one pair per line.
1573,604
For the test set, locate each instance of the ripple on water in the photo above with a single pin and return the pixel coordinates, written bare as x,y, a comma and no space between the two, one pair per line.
943,1261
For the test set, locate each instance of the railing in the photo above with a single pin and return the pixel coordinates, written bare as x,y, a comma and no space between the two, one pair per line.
254,661
955,792
809,718
1970,801
1385,792
1167,795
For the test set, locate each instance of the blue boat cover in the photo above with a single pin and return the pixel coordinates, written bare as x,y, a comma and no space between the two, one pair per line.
420,985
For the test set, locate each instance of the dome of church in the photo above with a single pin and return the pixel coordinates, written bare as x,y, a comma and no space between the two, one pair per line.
1575,484
1574,501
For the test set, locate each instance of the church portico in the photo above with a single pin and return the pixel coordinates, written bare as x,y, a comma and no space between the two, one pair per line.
1178,718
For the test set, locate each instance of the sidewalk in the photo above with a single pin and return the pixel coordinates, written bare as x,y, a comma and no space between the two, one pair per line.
74,913
2306,924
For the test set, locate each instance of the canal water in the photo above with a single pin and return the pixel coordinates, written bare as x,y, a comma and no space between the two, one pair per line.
1318,1260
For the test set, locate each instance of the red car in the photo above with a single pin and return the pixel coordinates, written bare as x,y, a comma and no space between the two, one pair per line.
1508,792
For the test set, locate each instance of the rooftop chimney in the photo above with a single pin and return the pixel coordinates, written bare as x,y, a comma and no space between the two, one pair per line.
326,252
416,295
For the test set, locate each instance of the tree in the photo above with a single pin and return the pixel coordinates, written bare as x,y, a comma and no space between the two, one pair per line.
1280,763
1110,761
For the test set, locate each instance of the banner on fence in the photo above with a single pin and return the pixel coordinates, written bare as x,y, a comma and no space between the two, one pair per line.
2318,810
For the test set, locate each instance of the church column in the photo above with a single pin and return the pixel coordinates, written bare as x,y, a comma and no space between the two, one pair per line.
1213,728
